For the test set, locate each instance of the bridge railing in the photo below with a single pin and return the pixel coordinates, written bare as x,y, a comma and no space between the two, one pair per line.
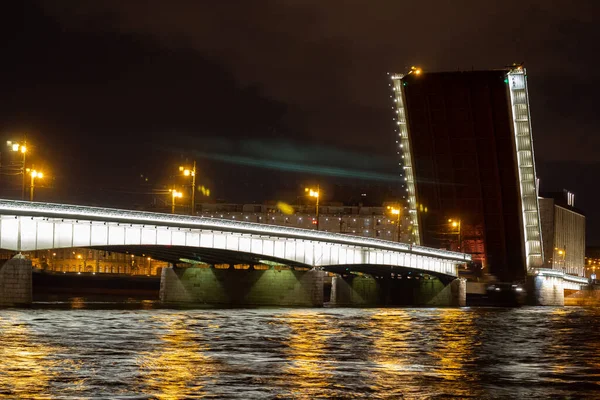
54,210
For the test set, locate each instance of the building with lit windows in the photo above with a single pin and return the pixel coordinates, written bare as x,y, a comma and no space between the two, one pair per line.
563,232
79,260
374,222
466,151
592,263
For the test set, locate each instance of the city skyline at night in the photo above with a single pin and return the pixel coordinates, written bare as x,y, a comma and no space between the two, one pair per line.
129,99
299,199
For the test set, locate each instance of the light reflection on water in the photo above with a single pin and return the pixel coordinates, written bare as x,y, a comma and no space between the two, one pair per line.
299,353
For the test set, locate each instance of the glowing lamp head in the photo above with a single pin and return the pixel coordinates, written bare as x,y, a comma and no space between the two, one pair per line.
23,149
15,147
415,70
312,193
187,172
454,224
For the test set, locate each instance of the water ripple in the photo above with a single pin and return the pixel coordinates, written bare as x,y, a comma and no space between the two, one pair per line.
87,353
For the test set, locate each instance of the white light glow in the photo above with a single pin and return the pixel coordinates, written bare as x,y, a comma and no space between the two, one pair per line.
115,234
519,101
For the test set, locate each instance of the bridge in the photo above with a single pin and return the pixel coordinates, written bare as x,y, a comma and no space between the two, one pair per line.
29,226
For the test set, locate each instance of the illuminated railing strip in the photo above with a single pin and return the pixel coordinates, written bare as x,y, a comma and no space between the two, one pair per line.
519,102
53,210
559,274
405,148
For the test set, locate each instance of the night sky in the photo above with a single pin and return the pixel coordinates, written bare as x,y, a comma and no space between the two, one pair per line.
269,96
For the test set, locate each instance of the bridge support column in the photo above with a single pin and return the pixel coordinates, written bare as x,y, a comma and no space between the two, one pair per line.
15,282
545,290
355,290
365,290
242,287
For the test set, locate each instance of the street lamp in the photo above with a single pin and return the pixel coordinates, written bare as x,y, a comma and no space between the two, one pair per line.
563,254
22,148
456,223
174,194
396,211
34,175
192,173
79,268
316,194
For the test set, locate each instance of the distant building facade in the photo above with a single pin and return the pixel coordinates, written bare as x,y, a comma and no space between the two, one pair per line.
373,222
81,260
563,232
592,262
467,154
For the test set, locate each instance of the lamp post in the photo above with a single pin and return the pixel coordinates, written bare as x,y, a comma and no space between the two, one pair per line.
174,194
81,268
455,223
192,173
34,175
22,148
316,194
563,254
396,211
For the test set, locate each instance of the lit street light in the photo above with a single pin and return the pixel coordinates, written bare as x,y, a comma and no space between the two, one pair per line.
192,173
316,194
455,223
34,175
396,211
174,194
22,148
562,253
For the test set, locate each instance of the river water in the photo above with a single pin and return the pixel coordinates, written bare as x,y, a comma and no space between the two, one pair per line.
79,350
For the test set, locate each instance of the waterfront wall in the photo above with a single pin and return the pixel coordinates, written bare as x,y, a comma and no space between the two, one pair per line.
15,282
271,287
588,296
365,290
545,290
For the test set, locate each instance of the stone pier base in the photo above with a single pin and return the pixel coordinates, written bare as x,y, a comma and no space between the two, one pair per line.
545,290
365,290
242,287
15,282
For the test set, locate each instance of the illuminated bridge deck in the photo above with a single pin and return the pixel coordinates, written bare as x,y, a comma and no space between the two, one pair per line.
27,226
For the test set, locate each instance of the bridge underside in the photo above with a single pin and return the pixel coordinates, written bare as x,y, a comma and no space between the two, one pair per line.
198,255
386,271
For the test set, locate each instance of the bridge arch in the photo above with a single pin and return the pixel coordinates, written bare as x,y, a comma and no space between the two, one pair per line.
26,226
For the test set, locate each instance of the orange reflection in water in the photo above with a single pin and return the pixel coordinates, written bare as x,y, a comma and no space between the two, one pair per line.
309,373
178,367
413,348
26,365
455,349
391,351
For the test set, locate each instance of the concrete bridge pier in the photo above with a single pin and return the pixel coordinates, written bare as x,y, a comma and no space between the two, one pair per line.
15,282
545,290
271,287
549,287
367,290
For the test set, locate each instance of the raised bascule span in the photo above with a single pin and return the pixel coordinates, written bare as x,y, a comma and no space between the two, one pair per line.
28,226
